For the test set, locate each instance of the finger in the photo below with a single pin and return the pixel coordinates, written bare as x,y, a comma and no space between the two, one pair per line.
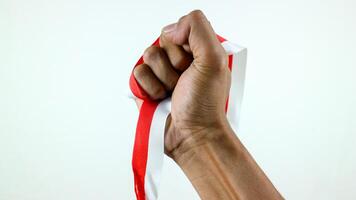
178,56
157,60
195,30
149,82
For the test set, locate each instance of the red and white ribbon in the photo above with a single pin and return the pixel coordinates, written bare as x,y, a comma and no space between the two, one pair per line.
148,151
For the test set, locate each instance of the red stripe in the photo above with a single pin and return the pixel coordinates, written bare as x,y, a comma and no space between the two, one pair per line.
221,39
139,159
230,67
230,62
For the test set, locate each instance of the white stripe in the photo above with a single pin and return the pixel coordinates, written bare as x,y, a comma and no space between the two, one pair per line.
237,81
155,154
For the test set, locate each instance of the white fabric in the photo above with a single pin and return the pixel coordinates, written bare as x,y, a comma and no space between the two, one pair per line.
155,153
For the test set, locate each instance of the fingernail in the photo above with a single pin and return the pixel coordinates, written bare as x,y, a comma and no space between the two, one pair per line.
169,28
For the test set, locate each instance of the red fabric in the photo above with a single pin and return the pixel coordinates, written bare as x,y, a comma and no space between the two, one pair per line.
221,39
230,67
139,159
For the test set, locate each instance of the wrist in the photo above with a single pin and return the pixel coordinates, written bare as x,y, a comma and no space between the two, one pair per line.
210,162
215,140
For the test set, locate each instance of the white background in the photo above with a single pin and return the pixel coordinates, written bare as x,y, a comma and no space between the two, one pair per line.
67,126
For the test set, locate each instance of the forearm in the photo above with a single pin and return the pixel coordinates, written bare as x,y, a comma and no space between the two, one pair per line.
221,168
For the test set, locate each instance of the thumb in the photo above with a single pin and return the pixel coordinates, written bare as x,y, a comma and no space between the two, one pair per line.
195,30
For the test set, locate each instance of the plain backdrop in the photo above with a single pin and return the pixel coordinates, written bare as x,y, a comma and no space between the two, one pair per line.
67,126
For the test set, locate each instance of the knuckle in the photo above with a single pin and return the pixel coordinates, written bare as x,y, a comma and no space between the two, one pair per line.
223,66
158,92
218,57
182,62
217,62
140,71
196,14
152,53
222,60
221,63
181,19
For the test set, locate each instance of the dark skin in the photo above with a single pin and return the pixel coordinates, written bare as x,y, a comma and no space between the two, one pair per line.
191,66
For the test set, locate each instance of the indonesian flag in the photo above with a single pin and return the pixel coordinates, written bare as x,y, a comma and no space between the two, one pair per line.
148,151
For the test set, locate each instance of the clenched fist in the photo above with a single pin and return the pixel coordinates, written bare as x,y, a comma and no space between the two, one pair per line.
190,65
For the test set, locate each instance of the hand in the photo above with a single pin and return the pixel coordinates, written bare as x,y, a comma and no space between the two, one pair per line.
190,65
